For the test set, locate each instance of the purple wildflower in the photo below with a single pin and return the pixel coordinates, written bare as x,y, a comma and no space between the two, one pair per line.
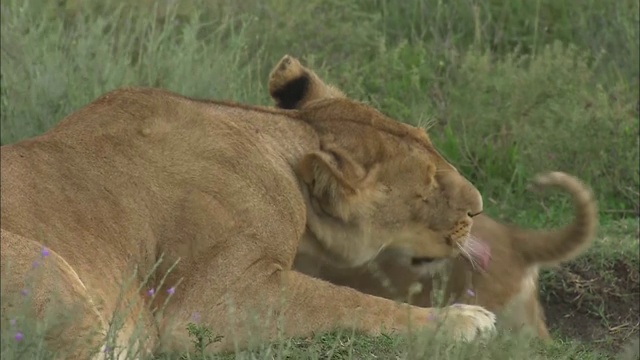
171,290
44,252
151,291
470,292
19,336
195,317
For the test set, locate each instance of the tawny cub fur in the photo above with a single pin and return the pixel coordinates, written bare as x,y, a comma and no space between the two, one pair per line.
508,285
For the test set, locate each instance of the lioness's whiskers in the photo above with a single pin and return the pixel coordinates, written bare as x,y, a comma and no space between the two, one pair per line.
467,253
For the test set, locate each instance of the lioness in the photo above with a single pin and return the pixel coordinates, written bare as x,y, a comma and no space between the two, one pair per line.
509,283
142,172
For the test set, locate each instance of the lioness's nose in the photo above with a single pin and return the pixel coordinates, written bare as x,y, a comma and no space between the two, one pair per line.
461,192
475,199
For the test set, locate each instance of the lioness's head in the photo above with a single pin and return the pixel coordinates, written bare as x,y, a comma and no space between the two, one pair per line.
375,183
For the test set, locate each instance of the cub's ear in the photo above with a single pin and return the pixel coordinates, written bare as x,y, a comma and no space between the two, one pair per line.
292,86
338,184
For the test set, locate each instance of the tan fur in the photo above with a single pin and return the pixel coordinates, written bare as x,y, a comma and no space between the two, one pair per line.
510,284
213,187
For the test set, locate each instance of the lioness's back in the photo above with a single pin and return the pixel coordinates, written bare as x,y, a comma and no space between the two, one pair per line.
102,172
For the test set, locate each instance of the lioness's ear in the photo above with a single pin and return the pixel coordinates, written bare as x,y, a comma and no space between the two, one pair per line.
341,186
292,86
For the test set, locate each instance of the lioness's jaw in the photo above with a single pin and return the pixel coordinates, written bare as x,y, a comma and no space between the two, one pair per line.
436,266
341,196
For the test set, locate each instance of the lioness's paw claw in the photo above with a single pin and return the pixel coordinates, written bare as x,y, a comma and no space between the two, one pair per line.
467,322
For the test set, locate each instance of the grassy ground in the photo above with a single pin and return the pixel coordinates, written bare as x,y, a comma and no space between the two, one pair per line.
508,89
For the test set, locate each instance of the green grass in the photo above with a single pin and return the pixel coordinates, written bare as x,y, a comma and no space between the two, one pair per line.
508,89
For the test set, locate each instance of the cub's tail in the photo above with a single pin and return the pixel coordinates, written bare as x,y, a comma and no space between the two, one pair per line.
550,247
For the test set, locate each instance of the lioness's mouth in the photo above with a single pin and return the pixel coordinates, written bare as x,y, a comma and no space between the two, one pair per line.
477,252
422,260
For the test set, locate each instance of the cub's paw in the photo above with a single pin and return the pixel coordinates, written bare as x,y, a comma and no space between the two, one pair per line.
293,86
465,322
289,82
287,69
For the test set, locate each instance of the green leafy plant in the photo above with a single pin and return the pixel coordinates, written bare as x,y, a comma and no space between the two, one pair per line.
201,337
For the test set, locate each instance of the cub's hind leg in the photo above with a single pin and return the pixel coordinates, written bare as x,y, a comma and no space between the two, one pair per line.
537,317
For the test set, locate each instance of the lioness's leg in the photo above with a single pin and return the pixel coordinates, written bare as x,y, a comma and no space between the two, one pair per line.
38,283
303,305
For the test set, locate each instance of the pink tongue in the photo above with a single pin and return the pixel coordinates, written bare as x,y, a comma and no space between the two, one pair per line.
479,251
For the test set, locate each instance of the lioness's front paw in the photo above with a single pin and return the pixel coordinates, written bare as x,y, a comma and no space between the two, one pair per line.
466,322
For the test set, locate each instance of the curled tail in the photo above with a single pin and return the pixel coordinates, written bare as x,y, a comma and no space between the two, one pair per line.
550,247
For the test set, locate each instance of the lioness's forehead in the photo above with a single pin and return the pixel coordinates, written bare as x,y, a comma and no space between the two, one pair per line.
372,137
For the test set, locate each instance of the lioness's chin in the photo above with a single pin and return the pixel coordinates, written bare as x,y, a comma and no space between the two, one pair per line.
428,266
420,264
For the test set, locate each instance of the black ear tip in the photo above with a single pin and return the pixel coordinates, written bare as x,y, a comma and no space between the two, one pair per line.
290,94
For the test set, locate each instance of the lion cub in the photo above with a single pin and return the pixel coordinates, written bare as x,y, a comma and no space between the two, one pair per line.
509,285
506,285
